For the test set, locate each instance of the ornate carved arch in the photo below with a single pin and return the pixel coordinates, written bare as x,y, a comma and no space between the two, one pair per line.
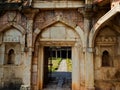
77,29
100,23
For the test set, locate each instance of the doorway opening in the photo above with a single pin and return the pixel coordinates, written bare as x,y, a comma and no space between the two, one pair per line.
57,67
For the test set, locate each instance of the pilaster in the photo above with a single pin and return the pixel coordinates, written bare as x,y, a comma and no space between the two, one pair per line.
89,76
29,13
75,67
89,82
89,69
35,68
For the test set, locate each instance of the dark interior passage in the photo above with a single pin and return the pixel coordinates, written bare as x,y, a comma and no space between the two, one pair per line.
53,57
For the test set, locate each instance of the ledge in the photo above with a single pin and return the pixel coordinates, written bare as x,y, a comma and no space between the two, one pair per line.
57,4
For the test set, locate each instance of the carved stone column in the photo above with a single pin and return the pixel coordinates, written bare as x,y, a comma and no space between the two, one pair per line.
40,68
89,82
29,13
82,69
89,78
89,70
75,67
34,70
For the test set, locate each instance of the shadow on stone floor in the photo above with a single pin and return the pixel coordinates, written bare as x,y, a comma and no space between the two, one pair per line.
59,81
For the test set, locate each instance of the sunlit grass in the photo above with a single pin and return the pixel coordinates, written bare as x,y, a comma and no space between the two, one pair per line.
54,64
69,65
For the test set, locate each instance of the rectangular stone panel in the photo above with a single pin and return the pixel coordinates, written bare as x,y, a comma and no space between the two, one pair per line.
57,33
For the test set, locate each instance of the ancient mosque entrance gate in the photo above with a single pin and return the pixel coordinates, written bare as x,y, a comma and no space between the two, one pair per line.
57,37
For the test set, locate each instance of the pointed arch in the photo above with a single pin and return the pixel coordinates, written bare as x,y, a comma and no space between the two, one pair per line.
12,25
11,57
104,19
77,29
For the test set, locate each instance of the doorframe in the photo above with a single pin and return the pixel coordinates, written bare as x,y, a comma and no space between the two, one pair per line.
75,65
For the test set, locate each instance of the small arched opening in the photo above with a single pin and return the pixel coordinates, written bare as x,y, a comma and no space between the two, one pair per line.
106,60
11,57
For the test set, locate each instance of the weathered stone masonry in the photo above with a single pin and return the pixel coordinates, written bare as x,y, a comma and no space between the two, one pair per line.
90,27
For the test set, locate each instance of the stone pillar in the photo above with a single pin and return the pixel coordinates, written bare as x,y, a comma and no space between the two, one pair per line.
82,69
29,13
75,68
28,54
35,68
40,68
89,74
89,69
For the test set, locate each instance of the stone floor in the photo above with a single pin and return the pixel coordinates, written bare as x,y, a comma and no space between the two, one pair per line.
62,78
55,87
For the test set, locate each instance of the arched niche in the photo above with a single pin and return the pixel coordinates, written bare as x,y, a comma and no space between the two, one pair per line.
101,23
11,38
105,44
106,59
106,56
11,57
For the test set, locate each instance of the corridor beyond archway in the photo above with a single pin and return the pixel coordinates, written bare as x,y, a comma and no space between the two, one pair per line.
58,68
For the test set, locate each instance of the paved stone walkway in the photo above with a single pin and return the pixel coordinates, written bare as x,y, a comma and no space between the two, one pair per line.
62,78
62,66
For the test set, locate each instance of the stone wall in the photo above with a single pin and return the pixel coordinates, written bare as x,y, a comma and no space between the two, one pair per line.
71,17
105,75
12,44
92,32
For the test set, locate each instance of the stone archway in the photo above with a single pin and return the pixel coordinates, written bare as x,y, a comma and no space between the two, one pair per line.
101,22
58,34
104,38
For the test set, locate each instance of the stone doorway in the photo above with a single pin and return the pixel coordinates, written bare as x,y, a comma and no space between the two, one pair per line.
57,68
57,35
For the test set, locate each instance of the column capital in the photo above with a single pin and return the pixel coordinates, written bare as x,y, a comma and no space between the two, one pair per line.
88,49
87,11
30,13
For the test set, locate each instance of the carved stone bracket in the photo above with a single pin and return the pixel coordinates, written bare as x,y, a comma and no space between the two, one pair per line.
87,11
30,13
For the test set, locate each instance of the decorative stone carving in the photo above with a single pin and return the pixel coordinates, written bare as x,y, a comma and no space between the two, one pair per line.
45,18
12,16
12,35
11,39
106,39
